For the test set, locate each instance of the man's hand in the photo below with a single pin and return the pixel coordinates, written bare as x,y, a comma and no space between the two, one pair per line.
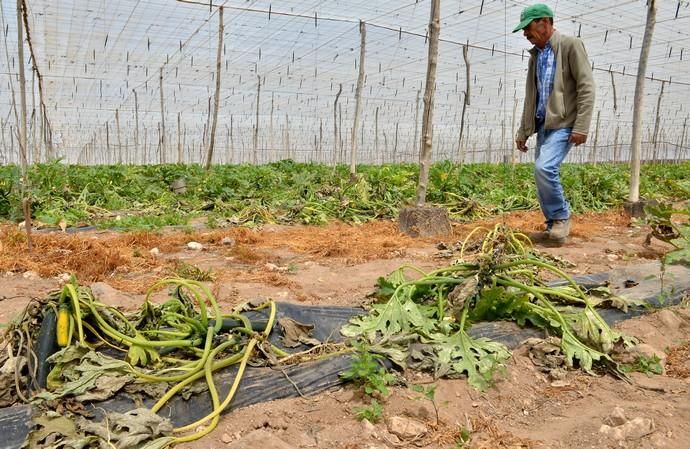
521,145
578,139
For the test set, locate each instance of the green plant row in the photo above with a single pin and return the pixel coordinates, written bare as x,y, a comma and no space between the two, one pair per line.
289,192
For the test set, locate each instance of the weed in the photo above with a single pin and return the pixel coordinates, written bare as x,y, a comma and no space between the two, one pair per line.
372,413
463,437
192,272
644,364
427,393
367,372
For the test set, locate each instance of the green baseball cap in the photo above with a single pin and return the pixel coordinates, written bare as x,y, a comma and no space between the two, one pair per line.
531,13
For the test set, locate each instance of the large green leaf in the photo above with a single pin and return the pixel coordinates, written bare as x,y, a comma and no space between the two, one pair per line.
397,316
478,358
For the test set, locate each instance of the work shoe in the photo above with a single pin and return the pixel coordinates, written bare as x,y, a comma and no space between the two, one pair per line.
559,231
541,236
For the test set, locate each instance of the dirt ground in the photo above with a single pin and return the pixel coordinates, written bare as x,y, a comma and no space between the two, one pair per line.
338,264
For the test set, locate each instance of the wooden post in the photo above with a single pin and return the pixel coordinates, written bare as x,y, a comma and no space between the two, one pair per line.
335,125
655,136
467,100
636,141
216,97
385,146
341,154
35,150
512,132
231,150
179,138
271,146
136,122
593,155
256,126
207,126
23,156
421,220
613,86
395,141
679,151
376,131
287,135
119,140
358,98
5,152
162,124
616,150
320,149
26,205
489,145
417,142
427,118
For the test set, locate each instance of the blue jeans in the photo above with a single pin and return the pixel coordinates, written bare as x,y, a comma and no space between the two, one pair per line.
552,147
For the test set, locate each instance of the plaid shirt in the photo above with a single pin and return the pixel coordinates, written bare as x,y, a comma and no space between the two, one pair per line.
546,71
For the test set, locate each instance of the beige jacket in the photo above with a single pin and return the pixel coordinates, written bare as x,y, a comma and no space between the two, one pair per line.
571,101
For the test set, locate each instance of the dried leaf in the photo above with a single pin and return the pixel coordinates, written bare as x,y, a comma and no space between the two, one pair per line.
126,430
76,371
296,333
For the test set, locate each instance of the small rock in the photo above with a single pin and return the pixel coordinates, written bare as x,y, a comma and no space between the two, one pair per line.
107,294
259,439
9,274
155,252
30,275
612,257
616,418
558,374
278,423
226,438
63,278
273,267
637,428
302,440
614,432
406,428
659,441
368,428
195,246
631,430
228,241
669,319
560,383
179,185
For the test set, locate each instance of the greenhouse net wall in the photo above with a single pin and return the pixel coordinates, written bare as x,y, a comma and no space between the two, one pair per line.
134,81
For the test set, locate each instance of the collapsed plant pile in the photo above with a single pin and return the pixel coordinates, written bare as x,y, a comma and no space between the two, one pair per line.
159,352
438,308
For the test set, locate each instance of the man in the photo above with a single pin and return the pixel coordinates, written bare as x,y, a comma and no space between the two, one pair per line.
559,99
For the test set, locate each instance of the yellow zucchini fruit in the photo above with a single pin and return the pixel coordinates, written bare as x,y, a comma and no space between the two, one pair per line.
63,325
